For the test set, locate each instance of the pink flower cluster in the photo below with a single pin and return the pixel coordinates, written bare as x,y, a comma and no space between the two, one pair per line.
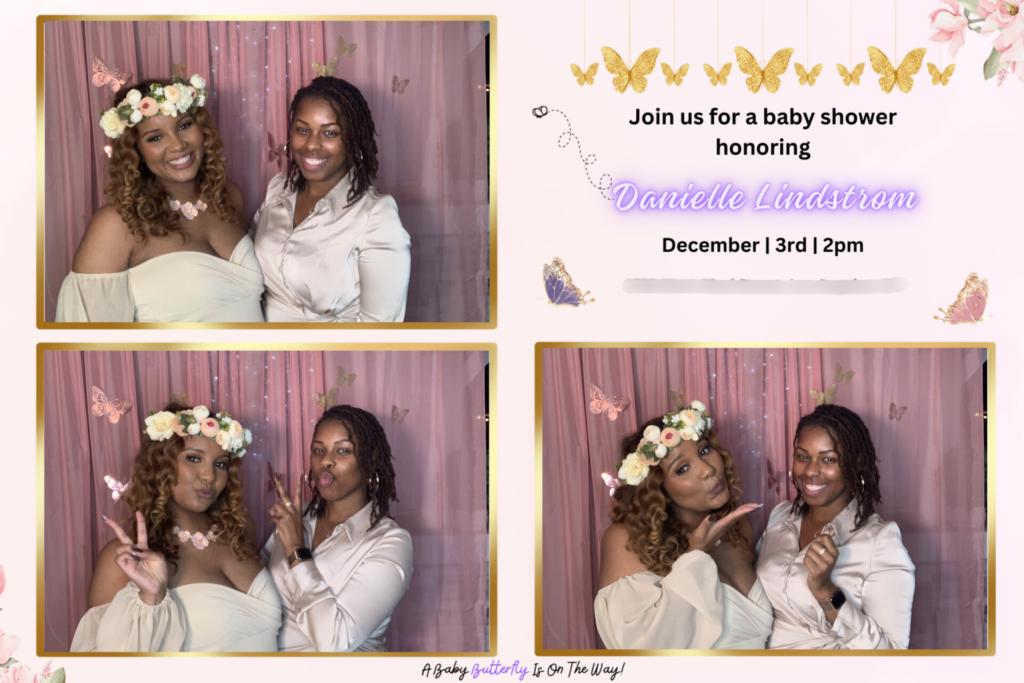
17,673
1006,17
949,26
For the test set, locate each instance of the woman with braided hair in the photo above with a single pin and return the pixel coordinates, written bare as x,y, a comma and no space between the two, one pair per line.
332,248
343,566
677,564
838,577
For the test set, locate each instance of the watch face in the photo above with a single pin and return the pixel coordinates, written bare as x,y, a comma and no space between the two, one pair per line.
838,598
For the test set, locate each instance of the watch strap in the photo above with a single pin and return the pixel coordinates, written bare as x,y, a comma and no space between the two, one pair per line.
300,555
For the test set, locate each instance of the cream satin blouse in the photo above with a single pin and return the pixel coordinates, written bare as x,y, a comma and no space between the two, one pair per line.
342,601
690,609
340,264
873,569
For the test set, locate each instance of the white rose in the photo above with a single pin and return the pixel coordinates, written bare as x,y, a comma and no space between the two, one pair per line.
197,81
202,99
112,124
193,428
697,405
688,434
235,429
186,100
689,417
160,426
223,440
236,444
133,98
652,434
633,470
136,116
168,108
661,450
240,453
247,435
200,413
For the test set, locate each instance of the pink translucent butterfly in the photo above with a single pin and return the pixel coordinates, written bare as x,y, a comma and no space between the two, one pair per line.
276,153
102,76
774,478
398,415
611,482
612,406
398,86
117,489
112,410
896,413
969,306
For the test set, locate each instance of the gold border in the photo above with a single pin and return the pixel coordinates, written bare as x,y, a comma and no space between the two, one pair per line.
492,104
539,494
492,498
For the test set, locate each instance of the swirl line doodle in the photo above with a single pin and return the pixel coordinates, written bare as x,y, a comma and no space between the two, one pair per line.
604,182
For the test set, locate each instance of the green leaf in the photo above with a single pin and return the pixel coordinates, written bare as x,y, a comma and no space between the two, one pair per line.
992,64
969,5
10,662
56,677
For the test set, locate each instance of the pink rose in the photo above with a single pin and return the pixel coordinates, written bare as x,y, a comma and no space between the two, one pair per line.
689,417
8,644
670,437
3,579
149,107
19,673
209,427
949,26
177,427
172,94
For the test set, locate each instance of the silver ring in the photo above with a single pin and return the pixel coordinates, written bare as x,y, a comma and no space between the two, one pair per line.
821,552
288,505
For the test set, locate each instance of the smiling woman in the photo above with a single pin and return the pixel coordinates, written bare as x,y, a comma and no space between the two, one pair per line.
173,216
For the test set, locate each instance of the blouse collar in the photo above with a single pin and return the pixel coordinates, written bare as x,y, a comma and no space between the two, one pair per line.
355,527
336,199
842,526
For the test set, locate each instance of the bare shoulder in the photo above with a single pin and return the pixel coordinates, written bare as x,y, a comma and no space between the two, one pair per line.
227,234
236,199
747,531
617,561
107,244
107,577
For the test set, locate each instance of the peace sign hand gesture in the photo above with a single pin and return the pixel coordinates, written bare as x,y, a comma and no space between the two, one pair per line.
146,568
287,516
711,530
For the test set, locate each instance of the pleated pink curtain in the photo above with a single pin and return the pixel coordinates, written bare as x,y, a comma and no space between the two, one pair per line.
444,507
932,459
432,133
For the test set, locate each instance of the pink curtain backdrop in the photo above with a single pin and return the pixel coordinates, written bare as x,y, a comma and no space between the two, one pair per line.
432,136
443,507
932,460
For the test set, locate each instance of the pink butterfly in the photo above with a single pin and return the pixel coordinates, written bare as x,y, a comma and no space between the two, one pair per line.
103,76
398,415
969,306
398,86
117,489
599,404
896,413
611,482
113,410
276,152
774,478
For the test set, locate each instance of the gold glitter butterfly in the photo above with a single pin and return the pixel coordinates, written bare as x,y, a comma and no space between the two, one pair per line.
941,76
843,377
769,75
823,397
674,77
636,76
901,75
343,379
718,77
677,398
325,69
181,398
325,401
807,77
345,49
584,76
851,76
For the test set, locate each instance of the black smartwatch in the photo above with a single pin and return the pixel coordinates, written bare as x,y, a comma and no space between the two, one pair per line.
303,554
836,600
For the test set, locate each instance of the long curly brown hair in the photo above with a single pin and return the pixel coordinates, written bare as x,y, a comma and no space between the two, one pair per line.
373,453
154,473
857,460
140,199
655,535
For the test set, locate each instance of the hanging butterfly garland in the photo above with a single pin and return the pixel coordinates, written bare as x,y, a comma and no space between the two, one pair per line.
769,75
808,77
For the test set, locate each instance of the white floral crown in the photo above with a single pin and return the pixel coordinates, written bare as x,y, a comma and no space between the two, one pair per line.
177,98
689,424
228,433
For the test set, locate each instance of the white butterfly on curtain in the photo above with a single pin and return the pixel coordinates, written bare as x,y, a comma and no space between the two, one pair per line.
611,406
117,489
102,75
112,410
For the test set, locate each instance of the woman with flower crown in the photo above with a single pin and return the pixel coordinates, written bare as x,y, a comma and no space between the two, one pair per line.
169,246
677,564
191,580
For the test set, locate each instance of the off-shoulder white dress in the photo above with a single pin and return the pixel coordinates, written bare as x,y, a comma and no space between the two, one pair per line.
340,264
183,286
198,617
874,571
689,609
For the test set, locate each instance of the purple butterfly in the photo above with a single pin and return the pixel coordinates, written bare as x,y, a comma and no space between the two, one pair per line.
559,287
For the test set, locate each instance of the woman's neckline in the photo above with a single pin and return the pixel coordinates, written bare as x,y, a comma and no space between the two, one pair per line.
191,251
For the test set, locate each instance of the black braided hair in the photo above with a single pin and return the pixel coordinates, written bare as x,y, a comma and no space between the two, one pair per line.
357,129
373,455
857,459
